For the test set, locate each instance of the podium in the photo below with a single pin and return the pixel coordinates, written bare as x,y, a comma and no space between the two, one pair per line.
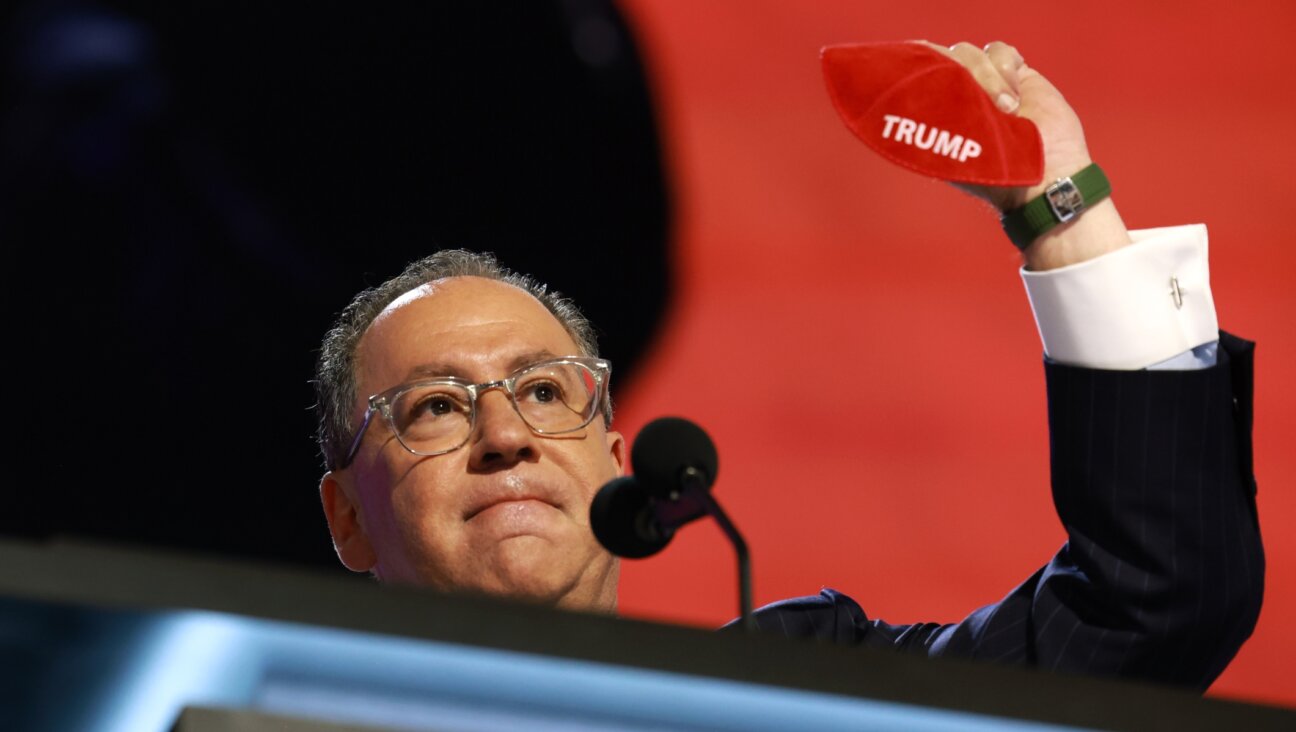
105,639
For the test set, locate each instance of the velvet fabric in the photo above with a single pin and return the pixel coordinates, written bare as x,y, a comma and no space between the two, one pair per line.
924,111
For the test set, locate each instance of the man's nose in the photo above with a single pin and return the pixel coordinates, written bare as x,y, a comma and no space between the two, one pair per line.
500,438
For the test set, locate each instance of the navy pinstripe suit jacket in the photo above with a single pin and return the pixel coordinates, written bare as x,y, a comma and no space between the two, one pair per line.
1162,574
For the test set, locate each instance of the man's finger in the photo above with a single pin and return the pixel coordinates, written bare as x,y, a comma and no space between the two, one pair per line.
1001,88
938,49
1008,61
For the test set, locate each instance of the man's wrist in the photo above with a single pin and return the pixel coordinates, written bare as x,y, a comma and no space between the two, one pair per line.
1094,230
1097,231
1064,199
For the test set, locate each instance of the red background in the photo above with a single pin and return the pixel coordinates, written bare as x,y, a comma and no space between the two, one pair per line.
856,337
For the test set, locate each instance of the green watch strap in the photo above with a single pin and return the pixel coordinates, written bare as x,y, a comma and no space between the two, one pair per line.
1066,199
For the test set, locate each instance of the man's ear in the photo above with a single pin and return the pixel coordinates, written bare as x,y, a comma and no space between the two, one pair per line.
617,449
349,538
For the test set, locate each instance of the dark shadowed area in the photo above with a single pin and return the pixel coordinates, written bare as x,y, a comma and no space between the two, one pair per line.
189,192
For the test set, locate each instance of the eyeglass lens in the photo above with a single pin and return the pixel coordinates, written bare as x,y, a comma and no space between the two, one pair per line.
550,398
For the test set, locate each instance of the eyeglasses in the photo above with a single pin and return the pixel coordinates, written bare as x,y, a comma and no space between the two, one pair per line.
436,416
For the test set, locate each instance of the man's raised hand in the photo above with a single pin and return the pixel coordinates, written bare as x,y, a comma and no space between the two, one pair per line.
1017,88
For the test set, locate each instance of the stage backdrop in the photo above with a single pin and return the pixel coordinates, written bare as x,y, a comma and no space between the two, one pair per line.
856,338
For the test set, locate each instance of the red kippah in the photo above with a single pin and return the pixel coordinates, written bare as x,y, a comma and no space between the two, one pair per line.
923,110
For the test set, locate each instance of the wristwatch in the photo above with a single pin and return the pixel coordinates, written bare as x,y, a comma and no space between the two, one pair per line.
1062,201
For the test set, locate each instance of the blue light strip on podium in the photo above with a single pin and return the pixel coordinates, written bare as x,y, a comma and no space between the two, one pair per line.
201,658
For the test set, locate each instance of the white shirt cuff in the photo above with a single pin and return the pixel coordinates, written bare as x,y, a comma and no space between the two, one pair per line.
1120,311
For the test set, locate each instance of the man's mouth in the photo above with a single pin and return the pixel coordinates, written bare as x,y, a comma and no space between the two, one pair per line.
511,489
484,506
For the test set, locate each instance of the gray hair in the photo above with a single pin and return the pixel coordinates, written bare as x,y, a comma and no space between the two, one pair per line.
335,376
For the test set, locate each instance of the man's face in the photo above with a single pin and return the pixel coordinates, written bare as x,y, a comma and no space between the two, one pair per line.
507,513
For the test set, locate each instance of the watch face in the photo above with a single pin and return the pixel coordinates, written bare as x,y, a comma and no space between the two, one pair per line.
1065,200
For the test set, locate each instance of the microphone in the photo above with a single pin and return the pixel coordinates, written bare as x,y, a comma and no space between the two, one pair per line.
670,450
636,516
675,464
625,522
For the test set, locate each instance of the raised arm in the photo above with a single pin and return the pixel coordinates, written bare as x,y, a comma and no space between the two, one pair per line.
1162,574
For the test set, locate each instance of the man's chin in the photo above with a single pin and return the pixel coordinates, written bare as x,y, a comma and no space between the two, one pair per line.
529,569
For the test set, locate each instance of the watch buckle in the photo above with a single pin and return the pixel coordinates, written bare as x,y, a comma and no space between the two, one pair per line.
1065,200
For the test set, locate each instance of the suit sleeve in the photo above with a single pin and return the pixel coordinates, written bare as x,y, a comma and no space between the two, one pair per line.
1162,574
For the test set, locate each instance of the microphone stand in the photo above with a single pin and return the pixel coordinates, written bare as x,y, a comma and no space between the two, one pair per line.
693,484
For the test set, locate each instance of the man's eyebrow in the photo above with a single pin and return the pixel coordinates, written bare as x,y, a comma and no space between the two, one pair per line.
436,369
526,359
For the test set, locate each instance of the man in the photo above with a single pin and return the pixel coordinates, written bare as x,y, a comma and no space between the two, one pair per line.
465,424
505,510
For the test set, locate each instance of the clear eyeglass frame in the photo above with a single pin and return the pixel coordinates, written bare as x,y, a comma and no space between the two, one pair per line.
599,369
